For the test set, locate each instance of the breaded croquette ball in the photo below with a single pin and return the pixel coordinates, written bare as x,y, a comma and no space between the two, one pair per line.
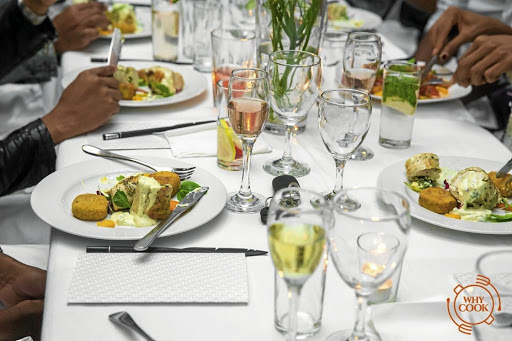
89,207
501,183
168,178
437,200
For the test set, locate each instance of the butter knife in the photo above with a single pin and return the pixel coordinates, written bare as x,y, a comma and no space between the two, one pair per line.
115,47
185,204
505,169
428,67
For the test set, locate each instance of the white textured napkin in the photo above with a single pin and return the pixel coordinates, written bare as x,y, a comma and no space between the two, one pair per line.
159,278
202,142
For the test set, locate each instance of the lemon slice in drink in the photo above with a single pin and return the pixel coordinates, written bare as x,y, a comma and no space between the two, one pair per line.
225,146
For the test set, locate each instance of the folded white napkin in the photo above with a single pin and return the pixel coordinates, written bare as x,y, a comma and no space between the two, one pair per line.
201,141
159,278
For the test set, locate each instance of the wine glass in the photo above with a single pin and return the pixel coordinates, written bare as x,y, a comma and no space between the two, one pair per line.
344,119
367,246
361,61
294,81
298,223
248,96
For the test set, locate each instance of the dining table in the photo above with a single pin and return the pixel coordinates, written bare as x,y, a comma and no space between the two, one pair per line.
434,253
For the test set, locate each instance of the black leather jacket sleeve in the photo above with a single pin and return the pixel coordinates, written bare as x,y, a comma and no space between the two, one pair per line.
27,155
20,39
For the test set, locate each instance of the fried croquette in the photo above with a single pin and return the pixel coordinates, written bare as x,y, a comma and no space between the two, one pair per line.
437,200
501,183
89,207
168,178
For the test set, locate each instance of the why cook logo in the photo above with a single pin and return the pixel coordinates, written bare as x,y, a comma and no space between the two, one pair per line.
474,302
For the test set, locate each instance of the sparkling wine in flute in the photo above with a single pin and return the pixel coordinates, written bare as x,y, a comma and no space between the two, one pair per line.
296,250
247,116
359,79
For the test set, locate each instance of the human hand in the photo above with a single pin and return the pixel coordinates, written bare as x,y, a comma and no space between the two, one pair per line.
23,319
20,282
39,7
470,25
78,25
88,102
485,61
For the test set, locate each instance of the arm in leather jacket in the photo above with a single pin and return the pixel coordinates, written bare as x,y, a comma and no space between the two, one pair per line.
19,38
27,155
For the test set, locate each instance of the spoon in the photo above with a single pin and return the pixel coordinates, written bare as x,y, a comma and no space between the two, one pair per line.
124,319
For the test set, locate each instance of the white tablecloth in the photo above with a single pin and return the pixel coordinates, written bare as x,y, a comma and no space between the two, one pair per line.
434,253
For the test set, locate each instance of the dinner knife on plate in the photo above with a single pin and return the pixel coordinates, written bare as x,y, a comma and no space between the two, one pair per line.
115,47
185,204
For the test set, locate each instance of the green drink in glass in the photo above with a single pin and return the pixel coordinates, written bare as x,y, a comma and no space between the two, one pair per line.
399,100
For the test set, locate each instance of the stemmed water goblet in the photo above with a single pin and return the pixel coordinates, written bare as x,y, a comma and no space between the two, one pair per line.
344,119
294,82
361,61
298,224
367,245
248,96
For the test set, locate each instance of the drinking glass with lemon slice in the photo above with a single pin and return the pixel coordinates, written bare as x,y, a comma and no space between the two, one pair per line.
229,147
399,100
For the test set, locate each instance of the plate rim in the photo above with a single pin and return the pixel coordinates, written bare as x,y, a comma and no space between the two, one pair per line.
435,100
56,199
423,214
360,10
195,92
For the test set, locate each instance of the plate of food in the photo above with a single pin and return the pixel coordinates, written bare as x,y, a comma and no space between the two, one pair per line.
133,22
429,93
341,17
147,84
112,200
458,193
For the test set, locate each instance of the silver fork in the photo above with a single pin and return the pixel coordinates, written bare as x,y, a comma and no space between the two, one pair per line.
183,173
124,319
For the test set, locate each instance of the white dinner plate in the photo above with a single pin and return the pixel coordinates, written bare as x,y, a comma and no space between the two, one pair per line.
393,177
195,83
53,196
370,21
143,15
454,92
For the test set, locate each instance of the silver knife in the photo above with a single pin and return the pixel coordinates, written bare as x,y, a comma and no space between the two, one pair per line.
505,169
185,204
115,47
428,67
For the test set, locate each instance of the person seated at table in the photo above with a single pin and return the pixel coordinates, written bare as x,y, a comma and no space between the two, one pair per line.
22,290
488,57
27,155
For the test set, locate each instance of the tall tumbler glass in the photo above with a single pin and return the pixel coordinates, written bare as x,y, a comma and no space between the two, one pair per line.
295,78
165,18
248,97
208,16
187,25
231,49
399,100
331,53
361,61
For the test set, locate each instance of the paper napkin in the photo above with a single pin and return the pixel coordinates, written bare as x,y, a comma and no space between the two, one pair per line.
159,278
203,143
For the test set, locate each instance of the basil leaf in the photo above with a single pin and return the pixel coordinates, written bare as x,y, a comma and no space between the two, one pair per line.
120,177
185,188
501,218
121,200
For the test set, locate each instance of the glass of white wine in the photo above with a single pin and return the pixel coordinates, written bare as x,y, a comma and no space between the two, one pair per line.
248,96
298,224
361,62
367,246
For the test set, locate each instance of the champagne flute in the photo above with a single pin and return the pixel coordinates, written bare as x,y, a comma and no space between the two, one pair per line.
294,82
248,96
361,61
367,246
344,119
298,223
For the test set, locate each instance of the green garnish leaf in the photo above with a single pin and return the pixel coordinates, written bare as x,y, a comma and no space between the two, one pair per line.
185,188
120,177
121,200
159,89
142,82
414,188
500,218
